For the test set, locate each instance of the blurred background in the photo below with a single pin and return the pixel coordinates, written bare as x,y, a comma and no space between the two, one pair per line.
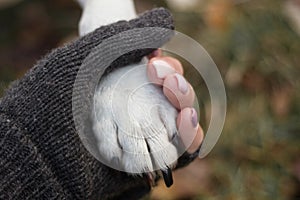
256,46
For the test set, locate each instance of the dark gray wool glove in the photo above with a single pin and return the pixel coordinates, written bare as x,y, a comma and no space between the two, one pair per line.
41,155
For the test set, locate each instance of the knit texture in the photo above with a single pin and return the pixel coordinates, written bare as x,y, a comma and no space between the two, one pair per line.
41,155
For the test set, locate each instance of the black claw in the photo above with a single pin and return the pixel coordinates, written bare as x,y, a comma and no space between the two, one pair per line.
167,174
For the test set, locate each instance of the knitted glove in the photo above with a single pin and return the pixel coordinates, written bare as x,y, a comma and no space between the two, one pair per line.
41,155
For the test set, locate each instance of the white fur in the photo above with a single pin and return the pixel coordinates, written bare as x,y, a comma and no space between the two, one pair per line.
130,112
97,13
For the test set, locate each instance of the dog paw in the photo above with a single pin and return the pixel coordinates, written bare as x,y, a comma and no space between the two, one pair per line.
134,123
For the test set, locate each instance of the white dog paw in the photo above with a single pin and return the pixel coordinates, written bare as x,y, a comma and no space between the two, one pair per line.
134,123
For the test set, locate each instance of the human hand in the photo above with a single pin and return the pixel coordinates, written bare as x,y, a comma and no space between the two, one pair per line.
168,72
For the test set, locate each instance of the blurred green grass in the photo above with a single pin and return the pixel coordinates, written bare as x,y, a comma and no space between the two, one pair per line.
257,50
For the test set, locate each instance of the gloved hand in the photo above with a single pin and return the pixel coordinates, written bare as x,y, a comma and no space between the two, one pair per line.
41,155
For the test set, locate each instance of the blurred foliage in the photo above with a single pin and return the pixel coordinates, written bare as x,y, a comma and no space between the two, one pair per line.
258,54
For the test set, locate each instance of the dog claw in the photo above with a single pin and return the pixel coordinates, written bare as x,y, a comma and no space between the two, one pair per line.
167,174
